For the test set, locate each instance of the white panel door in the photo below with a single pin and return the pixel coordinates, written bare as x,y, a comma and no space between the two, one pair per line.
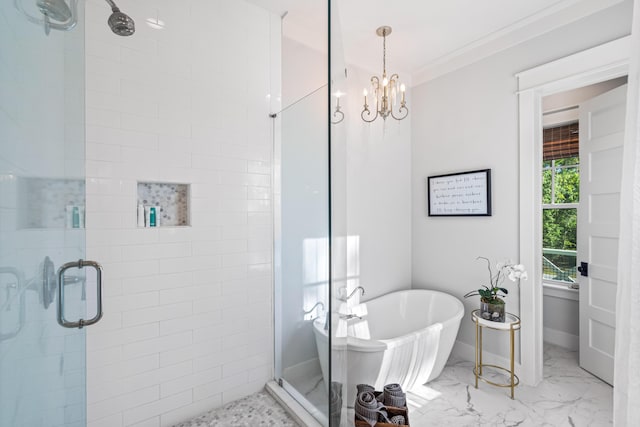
601,138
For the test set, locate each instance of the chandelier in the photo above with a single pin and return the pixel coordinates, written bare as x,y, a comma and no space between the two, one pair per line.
385,91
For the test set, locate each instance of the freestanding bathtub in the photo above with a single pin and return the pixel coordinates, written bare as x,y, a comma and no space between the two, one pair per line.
403,337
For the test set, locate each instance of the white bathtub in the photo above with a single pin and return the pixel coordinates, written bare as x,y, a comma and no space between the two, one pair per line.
405,337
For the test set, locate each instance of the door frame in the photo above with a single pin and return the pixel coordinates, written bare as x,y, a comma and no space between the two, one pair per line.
601,63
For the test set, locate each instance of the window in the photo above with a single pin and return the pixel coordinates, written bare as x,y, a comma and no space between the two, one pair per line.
560,198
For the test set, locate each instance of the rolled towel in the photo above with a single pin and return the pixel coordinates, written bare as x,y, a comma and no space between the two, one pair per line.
394,396
398,420
336,402
369,410
364,387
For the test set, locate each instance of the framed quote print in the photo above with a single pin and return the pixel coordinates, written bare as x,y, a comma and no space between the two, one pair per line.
460,194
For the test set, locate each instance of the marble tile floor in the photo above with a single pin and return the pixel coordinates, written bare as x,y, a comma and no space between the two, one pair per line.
259,409
568,396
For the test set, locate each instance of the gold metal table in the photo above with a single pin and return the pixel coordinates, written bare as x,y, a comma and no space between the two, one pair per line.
511,324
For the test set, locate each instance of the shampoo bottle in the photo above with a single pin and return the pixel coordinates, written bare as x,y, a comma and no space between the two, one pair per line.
75,217
152,216
69,216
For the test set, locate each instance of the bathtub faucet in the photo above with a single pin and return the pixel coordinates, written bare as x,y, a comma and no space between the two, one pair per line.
318,304
353,292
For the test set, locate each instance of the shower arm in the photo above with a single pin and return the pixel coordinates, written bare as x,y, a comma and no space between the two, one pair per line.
114,7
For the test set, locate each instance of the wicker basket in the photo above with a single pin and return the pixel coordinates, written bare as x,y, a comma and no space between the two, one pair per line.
392,411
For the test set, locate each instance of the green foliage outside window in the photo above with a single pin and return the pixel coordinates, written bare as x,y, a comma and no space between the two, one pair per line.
560,225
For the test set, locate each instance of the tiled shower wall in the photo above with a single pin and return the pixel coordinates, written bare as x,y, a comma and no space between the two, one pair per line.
188,310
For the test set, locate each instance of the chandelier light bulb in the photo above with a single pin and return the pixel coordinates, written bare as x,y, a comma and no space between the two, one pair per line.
403,87
385,81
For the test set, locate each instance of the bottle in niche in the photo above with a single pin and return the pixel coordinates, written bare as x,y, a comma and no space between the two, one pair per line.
75,217
152,216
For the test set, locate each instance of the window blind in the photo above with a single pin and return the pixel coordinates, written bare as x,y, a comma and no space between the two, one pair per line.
560,142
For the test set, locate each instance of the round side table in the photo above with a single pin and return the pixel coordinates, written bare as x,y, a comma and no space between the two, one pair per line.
511,324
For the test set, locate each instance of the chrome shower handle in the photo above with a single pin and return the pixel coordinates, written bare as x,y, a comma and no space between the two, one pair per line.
61,291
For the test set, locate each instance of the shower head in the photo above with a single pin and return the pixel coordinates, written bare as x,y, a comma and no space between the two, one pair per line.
55,9
120,23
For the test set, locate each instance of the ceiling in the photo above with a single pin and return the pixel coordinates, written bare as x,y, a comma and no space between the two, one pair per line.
427,35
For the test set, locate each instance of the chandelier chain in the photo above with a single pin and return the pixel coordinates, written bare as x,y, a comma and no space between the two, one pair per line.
384,52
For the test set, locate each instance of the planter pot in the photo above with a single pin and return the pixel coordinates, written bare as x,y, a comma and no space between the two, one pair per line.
493,312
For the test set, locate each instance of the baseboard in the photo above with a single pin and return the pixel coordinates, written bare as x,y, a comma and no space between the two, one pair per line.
295,410
561,339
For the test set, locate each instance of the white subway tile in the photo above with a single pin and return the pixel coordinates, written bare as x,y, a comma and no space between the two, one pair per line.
157,314
110,421
177,355
125,138
186,412
102,117
211,389
231,394
132,302
219,247
156,251
134,285
150,422
122,270
188,310
161,406
157,376
156,345
193,263
122,402
106,339
259,193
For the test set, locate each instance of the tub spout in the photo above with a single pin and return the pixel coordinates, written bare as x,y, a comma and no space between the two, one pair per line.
356,290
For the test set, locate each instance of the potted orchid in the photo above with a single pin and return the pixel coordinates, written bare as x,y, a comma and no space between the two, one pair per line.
491,302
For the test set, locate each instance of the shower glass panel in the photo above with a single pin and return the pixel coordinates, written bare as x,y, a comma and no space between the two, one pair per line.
42,205
341,244
302,265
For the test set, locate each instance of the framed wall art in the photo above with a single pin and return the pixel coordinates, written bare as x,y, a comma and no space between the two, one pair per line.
460,194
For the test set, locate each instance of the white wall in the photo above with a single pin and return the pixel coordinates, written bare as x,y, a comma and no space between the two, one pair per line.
188,311
378,199
561,317
469,120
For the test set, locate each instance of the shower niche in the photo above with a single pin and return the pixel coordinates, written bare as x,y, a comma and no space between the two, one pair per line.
50,203
171,201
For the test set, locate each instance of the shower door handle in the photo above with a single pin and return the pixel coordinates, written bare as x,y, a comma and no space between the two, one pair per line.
80,323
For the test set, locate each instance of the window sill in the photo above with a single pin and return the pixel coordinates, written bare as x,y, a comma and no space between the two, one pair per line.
560,291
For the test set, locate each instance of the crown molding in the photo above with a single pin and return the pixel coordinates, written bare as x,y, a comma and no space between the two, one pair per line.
528,28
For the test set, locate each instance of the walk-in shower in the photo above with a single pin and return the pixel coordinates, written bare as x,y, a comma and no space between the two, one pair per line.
63,16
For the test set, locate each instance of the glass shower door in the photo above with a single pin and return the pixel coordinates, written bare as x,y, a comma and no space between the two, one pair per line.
42,215
303,253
